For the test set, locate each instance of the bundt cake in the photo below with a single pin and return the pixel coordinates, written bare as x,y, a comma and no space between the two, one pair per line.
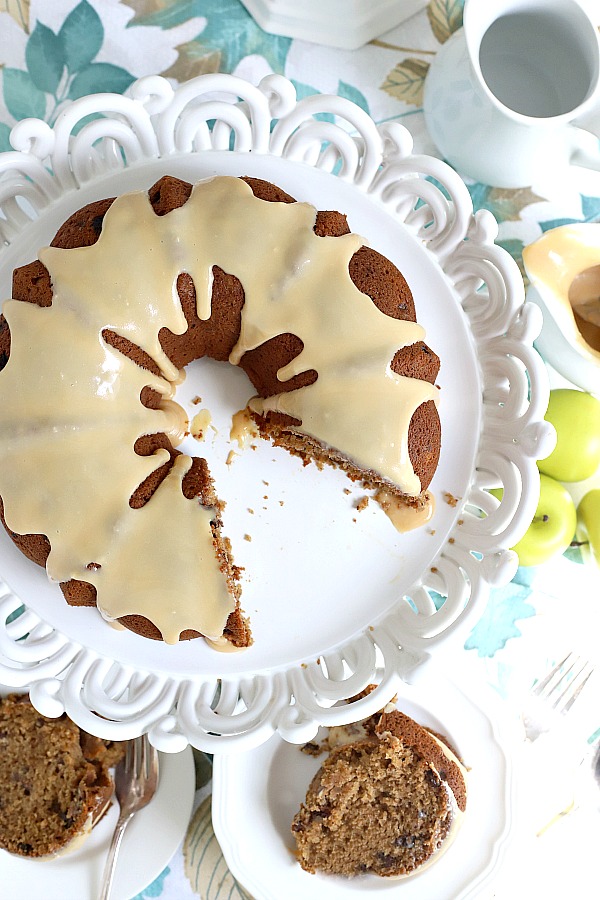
55,782
130,291
387,800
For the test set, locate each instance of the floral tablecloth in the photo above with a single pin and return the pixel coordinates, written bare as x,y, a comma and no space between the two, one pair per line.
52,53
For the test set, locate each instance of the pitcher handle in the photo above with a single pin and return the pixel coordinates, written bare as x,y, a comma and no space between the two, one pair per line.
585,148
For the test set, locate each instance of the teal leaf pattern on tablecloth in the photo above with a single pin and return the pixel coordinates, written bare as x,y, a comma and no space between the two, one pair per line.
155,889
44,58
591,208
22,97
344,90
4,138
549,224
169,16
574,554
81,36
233,31
514,246
498,622
352,93
305,90
60,67
525,576
506,204
98,77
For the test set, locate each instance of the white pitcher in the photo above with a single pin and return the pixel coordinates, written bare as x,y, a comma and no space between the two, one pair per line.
502,93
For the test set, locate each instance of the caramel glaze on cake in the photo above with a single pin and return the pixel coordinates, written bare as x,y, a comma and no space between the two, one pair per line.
386,804
55,782
216,337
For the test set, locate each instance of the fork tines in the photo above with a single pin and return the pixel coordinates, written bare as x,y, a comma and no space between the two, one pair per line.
563,684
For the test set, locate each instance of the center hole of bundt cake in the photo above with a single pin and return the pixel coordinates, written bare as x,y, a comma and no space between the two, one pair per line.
212,393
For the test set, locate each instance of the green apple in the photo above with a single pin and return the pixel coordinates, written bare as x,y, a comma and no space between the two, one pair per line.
553,525
576,418
588,515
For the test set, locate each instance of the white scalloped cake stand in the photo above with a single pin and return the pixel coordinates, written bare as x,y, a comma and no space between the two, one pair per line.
335,596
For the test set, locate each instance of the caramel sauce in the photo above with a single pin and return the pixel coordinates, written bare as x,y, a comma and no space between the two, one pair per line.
200,424
402,516
584,297
564,265
243,427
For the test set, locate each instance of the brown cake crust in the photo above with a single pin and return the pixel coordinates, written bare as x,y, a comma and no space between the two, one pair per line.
215,337
54,780
424,744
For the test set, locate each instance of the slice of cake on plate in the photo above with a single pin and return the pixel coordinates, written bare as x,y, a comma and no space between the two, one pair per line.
387,800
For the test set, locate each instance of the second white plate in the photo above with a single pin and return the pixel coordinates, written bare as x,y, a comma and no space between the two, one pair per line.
149,842
255,796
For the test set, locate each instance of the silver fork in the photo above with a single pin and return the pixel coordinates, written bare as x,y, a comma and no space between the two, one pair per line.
136,779
555,694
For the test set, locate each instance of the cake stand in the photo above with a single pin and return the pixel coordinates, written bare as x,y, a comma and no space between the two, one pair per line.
335,596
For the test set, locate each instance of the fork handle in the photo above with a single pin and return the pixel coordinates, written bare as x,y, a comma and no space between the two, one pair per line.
111,860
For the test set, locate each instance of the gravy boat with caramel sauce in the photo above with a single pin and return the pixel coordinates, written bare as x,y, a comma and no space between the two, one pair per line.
563,267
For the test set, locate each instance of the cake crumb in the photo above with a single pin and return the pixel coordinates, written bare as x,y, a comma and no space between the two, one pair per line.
312,749
361,504
196,400
248,537
450,499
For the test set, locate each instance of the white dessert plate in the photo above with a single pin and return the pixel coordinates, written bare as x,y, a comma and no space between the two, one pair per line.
332,593
149,842
256,794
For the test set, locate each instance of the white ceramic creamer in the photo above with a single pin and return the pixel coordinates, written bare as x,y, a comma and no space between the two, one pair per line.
503,92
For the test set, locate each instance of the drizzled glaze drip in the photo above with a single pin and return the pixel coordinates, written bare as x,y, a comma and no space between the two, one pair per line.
70,400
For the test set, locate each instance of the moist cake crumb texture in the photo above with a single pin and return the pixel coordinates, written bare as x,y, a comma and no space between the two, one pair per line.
55,781
386,803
